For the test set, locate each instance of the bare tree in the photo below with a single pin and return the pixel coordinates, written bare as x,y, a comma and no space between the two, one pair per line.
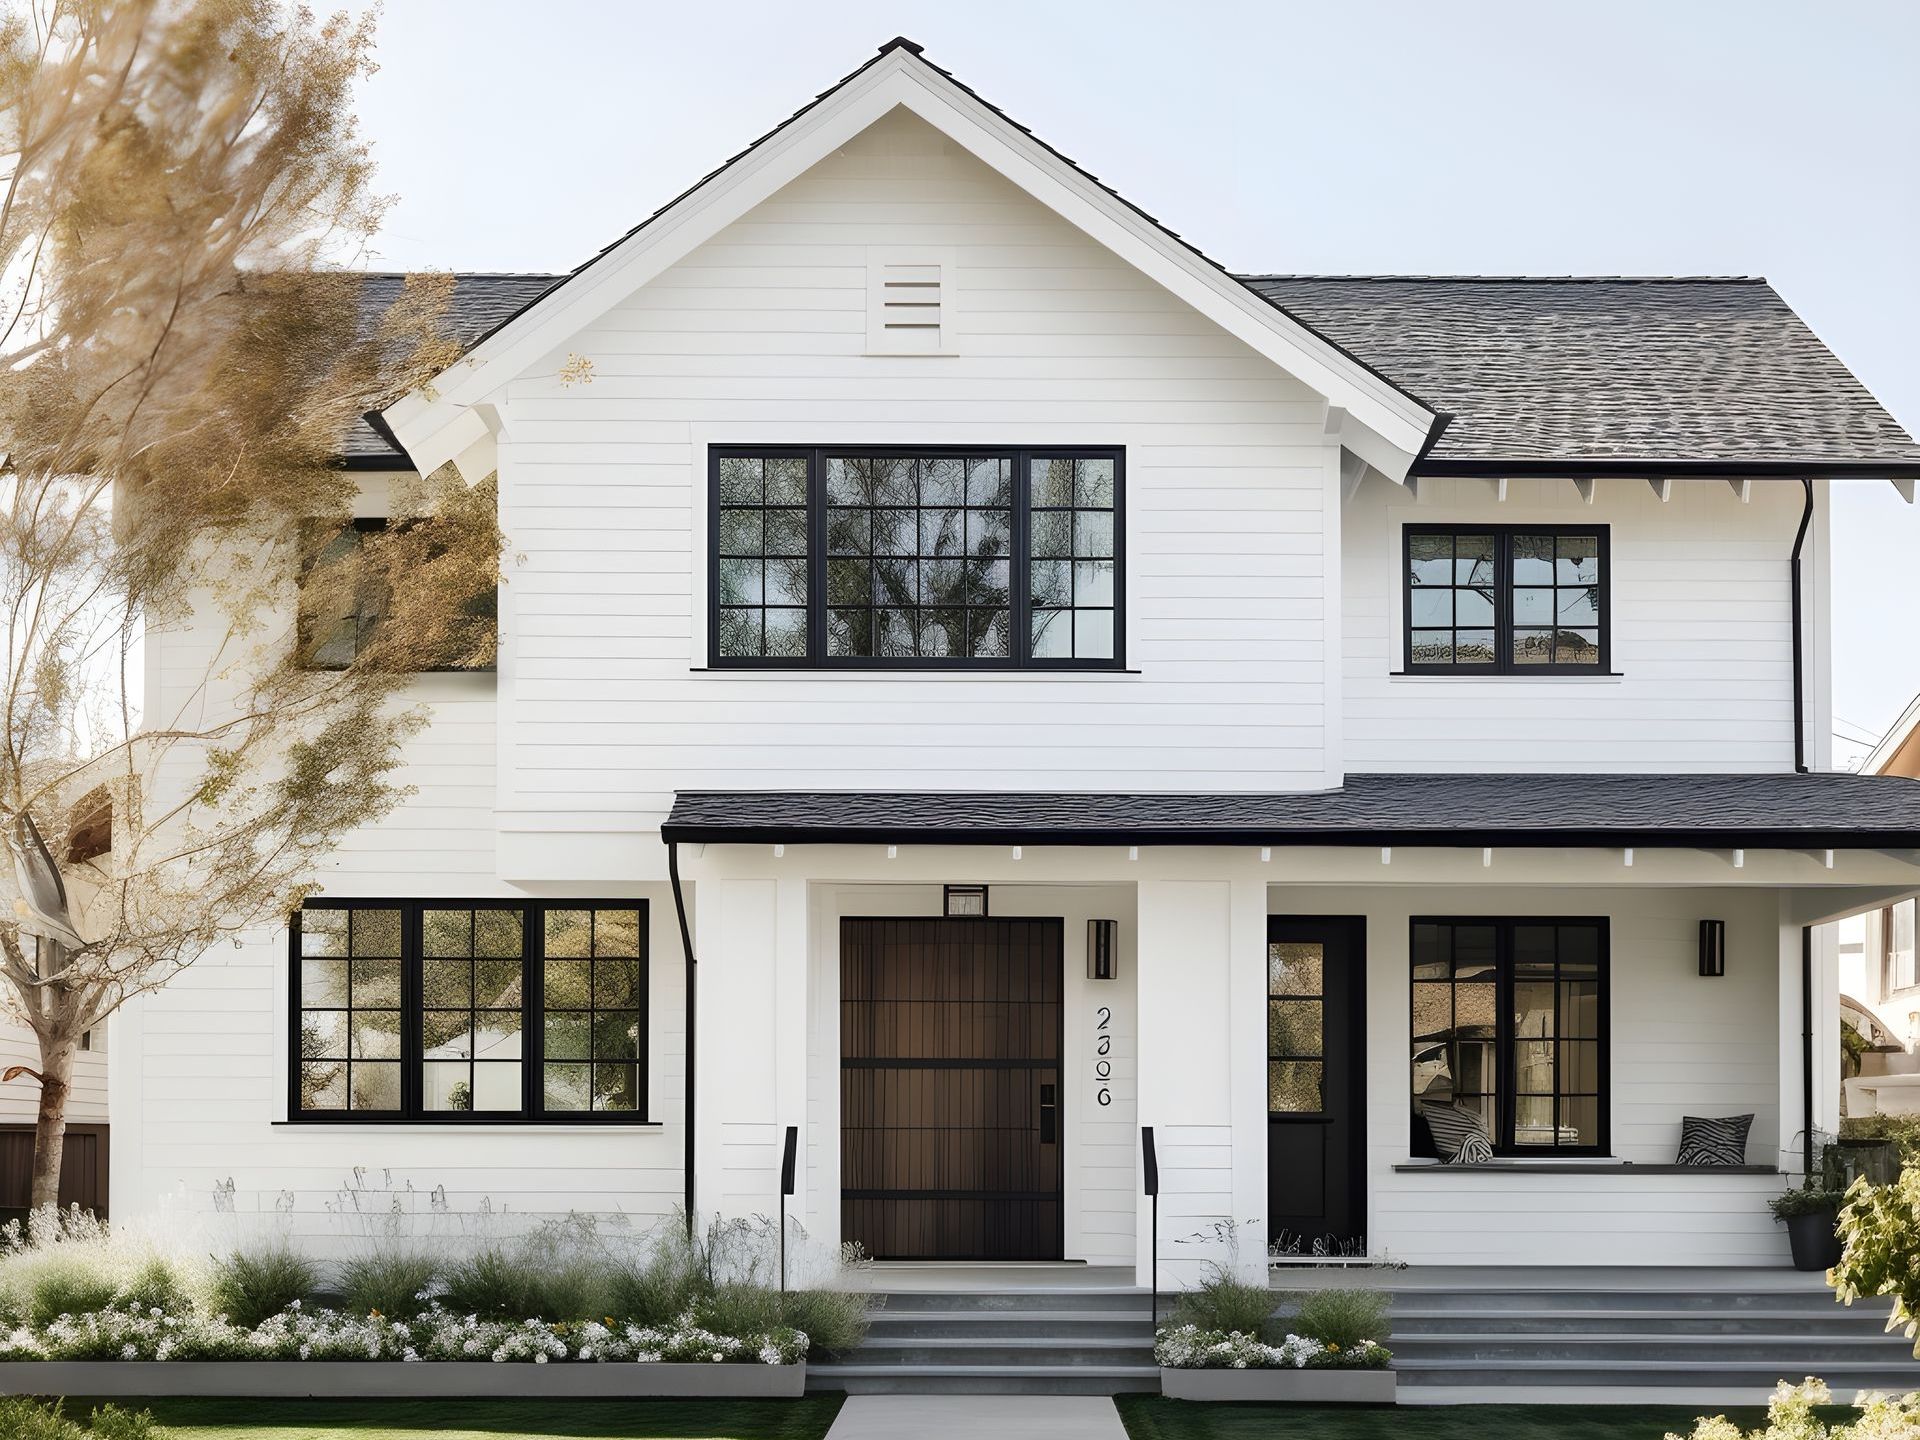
180,356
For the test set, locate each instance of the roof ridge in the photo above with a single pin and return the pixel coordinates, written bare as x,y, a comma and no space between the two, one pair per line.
1524,279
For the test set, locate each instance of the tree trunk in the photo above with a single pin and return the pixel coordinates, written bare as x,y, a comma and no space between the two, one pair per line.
50,1127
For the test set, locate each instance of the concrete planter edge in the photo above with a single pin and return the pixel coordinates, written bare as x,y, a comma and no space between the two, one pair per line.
1301,1387
425,1379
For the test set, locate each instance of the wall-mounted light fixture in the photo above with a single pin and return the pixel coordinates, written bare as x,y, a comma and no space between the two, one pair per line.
1103,949
964,900
1713,947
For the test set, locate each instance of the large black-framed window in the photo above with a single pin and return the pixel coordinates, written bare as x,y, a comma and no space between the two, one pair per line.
936,557
332,632
1510,1022
1506,599
459,1011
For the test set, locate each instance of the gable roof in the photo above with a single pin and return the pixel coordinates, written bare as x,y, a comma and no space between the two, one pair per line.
1378,418
1607,371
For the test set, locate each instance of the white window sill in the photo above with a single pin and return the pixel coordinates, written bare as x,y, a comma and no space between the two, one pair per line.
1586,1165
521,1129
900,673
1460,677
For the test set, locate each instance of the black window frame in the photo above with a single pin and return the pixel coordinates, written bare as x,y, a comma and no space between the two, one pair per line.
1503,626
1505,1090
1019,556
412,1110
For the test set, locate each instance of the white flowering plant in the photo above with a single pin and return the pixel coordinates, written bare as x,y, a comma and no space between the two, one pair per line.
1188,1347
1791,1416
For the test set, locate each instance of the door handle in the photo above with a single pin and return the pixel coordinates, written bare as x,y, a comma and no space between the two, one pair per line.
1049,1116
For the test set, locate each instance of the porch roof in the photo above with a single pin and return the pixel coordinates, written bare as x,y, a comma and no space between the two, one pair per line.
1774,811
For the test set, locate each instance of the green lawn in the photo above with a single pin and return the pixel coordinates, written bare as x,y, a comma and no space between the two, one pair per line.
805,1419
1149,1417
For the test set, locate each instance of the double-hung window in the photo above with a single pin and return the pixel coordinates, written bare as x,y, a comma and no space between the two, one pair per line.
1510,1023
457,1010
1522,600
979,558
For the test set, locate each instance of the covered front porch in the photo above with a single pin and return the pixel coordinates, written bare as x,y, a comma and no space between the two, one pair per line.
1283,1085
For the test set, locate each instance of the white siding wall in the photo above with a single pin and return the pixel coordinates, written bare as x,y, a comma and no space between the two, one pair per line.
20,1101
1701,636
1681,1045
759,336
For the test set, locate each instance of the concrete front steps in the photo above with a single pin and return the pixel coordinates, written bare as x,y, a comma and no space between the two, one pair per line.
1016,1341
1688,1337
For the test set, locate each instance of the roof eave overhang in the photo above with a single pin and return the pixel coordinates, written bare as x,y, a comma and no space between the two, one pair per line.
1449,466
439,423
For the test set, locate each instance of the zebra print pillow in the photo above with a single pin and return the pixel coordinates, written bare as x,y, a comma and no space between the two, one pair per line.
1458,1135
1720,1142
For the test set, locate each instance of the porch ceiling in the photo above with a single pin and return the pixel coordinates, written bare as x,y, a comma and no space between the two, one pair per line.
1778,811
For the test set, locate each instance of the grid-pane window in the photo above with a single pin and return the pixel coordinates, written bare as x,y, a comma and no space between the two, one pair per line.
350,1014
472,1008
760,565
455,1010
1296,1027
984,558
1070,544
1898,928
592,1010
1509,1023
919,556
1506,600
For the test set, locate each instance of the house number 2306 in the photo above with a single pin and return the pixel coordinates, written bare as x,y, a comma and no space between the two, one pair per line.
1103,1055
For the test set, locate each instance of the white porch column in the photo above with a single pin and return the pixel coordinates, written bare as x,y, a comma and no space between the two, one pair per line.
1826,1028
751,939
1202,1067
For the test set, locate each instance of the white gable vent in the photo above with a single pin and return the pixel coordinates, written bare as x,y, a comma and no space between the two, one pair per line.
910,302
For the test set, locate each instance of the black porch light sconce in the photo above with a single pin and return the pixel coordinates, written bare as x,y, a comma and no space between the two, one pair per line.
967,900
1103,946
1713,948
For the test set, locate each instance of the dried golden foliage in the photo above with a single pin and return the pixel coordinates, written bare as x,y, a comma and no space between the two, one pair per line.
183,354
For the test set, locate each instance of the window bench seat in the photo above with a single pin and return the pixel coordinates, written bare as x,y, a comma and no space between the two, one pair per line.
1579,1167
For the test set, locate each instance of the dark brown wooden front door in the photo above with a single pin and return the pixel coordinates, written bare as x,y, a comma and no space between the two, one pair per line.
950,1114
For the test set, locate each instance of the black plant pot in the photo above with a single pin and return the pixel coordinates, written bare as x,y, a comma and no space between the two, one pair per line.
1815,1241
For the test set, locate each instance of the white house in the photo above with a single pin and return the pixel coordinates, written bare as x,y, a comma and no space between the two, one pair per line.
978,680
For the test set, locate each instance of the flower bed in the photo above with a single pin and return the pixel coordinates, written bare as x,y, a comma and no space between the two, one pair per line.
1197,1364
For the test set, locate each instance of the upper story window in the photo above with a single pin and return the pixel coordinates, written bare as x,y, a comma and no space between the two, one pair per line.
1506,599
1510,1030
937,558
1897,947
470,1010
342,603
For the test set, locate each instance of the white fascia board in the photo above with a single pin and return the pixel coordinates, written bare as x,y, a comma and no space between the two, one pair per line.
1890,743
1389,422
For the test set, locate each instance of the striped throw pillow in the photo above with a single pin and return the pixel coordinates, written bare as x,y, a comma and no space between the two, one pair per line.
1720,1142
1458,1135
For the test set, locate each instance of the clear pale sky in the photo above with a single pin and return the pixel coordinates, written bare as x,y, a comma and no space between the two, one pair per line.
1685,137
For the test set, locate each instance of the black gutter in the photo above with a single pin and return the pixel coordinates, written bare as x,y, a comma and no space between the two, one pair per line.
686,945
1799,659
1654,467
1806,1044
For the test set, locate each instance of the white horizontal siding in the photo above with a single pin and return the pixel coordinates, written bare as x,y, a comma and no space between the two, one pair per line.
20,1100
761,333
1701,622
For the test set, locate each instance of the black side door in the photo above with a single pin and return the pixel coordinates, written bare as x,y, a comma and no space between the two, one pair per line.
1316,1084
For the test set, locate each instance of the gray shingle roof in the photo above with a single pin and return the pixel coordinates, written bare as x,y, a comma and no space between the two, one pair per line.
479,302
1604,369
1683,371
1824,811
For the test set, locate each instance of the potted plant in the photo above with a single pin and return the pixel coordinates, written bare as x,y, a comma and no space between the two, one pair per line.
1809,1212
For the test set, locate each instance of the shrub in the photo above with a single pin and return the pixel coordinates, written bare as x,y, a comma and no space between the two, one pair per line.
559,1271
738,1309
1342,1317
834,1320
1188,1347
1808,1199
1227,1305
1880,1248
22,1419
1790,1416
67,1286
249,1286
388,1282
656,1292
1903,1130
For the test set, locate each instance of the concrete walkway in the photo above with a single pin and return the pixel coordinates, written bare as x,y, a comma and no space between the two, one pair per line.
969,1417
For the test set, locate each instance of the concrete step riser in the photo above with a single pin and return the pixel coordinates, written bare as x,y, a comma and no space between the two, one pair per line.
1050,1384
1060,1357
1063,1332
1774,1354
1102,1301
1683,1382
1812,1302
1680,1327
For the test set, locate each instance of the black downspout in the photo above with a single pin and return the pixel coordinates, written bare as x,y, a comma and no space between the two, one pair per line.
686,945
1799,684
1806,1044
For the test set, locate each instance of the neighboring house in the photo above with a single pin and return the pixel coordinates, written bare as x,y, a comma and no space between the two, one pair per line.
84,1168
1884,982
1055,687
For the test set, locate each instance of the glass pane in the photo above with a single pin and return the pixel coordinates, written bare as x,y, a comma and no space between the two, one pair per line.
447,1085
323,1035
496,1035
1533,1120
569,933
1580,1120
787,480
616,932
1093,634
616,1035
1533,1072
1473,560
567,1087
1051,582
1296,969
376,984
374,1086
1293,1027
1533,560
1580,1009
376,932
1093,484
496,984
1579,1066
1473,1010
740,632
616,1087
1093,582
616,984
496,1087
1052,634
1533,647
323,984
1473,647
374,1034
447,1034
1533,607
1533,1008
568,1035
990,483
1093,533
1053,482
1430,559
742,481
1473,607
1432,1073
1432,607
323,932
569,985
784,583
1576,607
446,984
1576,647
1050,534
323,1086
446,932
1432,647
1432,1010
1579,560
499,933
1293,1087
